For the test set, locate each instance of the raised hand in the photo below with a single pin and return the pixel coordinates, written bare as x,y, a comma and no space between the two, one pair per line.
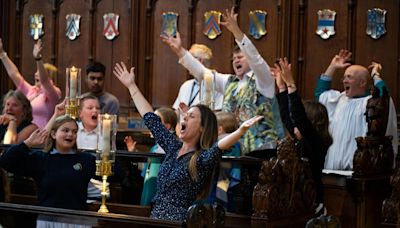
375,69
130,143
175,43
286,70
60,108
37,48
37,138
276,72
339,61
230,22
126,77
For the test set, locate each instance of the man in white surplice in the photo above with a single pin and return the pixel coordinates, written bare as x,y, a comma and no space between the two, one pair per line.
346,109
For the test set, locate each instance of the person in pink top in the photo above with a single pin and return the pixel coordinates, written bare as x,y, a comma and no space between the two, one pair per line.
43,95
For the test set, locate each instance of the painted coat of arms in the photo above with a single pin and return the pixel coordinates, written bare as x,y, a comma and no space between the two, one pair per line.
257,23
169,24
72,30
326,23
376,19
110,30
36,26
212,21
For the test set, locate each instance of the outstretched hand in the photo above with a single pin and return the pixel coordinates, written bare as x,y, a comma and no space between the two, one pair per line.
230,19
340,61
286,71
249,123
37,138
60,108
130,143
375,68
175,43
37,48
127,78
277,73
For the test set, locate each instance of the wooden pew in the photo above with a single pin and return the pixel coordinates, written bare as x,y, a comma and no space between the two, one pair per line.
357,202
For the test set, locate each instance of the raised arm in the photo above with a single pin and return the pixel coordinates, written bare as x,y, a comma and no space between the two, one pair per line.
194,66
265,82
228,141
45,82
339,61
127,78
11,69
59,110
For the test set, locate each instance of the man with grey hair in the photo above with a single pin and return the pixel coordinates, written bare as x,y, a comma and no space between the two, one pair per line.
189,92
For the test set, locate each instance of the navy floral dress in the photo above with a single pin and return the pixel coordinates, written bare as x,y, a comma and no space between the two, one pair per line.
176,191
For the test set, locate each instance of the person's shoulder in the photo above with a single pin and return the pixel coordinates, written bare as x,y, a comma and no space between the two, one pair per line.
110,96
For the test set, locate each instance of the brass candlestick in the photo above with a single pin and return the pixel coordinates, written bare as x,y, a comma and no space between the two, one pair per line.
105,153
72,107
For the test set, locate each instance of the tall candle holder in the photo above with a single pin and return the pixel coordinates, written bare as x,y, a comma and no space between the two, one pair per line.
73,91
207,89
105,153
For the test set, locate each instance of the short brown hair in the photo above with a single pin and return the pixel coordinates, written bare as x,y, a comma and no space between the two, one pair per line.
227,121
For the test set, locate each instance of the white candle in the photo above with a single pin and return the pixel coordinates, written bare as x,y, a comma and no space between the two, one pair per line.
208,83
106,135
73,74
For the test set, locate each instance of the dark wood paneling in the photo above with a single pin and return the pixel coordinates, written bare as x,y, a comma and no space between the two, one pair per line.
222,45
168,75
319,52
269,44
75,52
117,50
382,50
28,64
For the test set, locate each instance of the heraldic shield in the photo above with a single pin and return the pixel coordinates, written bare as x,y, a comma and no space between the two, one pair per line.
169,24
257,23
110,30
376,19
72,30
326,23
36,26
212,21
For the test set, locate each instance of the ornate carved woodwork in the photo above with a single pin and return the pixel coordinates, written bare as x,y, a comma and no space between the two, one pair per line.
285,186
